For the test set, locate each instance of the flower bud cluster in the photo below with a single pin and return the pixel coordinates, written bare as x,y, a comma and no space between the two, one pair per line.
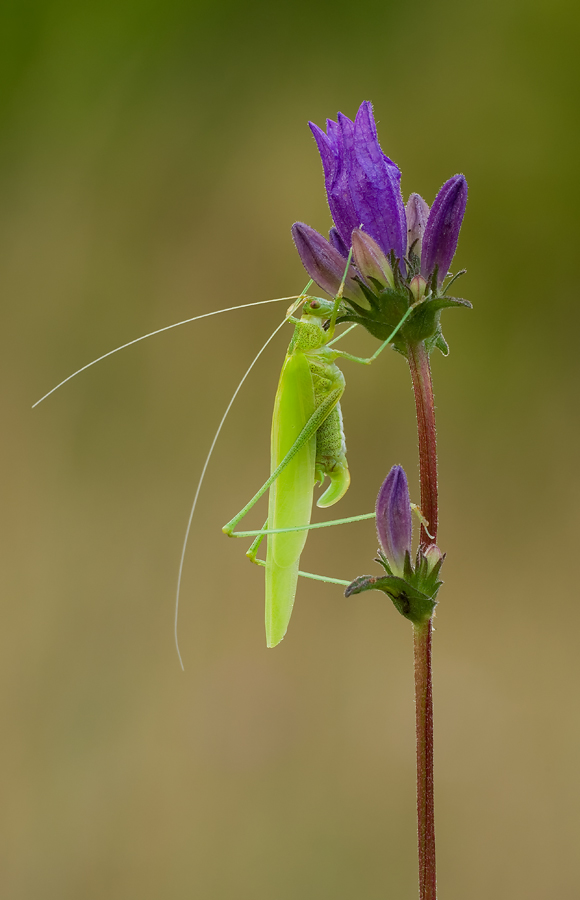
400,255
412,587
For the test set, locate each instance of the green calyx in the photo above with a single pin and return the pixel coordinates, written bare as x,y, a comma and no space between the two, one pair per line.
389,304
414,596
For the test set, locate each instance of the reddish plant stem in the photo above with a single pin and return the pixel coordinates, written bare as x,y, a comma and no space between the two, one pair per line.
423,389
424,729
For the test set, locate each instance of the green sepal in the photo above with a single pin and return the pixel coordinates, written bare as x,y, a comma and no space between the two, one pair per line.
388,305
424,325
370,296
441,344
379,330
388,308
412,603
426,574
360,311
444,302
408,572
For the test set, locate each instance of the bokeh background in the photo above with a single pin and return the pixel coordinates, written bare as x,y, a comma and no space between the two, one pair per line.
153,156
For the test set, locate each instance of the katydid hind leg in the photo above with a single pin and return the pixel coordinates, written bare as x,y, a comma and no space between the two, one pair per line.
256,543
304,437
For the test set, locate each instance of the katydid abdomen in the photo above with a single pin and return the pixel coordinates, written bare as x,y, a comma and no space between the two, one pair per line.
330,442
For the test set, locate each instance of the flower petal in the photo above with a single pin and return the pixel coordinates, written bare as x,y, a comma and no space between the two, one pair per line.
336,163
327,151
443,226
374,183
337,242
417,212
370,259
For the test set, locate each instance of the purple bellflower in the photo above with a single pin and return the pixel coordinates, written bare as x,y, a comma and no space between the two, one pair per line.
363,185
400,256
411,586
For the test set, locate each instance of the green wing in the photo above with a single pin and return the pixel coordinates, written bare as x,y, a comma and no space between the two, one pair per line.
290,495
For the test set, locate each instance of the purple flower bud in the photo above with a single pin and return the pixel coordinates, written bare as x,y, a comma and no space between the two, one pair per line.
394,523
443,226
417,212
370,259
324,263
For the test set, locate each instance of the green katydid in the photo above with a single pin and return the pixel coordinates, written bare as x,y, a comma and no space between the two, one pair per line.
307,445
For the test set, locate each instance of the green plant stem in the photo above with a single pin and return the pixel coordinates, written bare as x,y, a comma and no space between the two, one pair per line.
422,634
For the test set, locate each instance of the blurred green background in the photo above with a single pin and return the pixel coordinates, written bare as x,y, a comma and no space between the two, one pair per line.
153,156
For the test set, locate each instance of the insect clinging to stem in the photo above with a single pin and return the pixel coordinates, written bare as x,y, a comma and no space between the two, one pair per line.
307,445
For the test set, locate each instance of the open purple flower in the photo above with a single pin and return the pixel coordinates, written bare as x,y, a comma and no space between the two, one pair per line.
363,185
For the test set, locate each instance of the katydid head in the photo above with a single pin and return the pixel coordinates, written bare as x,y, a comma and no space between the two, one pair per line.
314,328
318,308
323,312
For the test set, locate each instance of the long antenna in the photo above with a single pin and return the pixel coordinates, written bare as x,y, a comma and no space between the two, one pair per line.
216,312
206,463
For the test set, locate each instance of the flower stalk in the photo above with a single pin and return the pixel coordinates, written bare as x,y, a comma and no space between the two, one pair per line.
425,407
422,634
422,645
